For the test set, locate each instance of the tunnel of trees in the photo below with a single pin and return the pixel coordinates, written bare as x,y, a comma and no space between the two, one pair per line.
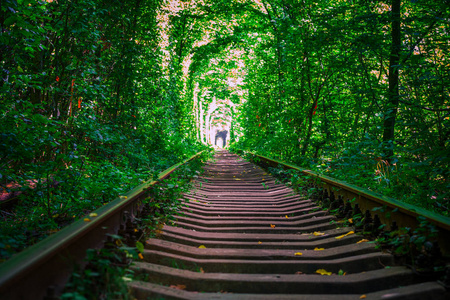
97,96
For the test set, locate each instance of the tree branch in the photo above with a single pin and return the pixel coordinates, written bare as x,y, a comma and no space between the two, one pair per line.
424,107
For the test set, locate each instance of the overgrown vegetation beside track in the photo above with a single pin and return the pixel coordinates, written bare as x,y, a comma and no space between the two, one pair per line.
416,248
106,273
23,225
380,177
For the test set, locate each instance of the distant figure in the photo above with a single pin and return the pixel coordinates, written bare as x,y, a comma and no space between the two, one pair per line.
221,135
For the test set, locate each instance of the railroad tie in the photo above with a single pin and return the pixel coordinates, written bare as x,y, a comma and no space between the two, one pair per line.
242,235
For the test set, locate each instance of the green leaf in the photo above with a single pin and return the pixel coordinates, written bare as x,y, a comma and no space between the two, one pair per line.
11,20
140,247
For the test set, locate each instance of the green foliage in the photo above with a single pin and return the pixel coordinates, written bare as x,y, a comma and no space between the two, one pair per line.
106,273
104,276
416,247
96,97
317,82
165,199
85,110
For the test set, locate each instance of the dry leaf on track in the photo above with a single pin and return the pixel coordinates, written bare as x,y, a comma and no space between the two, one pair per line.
323,272
344,235
178,286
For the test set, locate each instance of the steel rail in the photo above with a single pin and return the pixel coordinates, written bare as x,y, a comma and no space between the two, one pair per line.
404,214
49,263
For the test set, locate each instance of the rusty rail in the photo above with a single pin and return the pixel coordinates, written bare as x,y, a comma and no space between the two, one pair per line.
49,263
404,214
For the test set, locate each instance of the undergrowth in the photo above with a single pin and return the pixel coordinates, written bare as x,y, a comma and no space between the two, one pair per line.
106,273
71,194
407,181
416,248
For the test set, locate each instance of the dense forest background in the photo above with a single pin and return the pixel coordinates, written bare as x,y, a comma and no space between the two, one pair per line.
97,96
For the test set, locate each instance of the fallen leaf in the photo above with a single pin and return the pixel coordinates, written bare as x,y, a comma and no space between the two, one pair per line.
259,242
273,226
318,249
237,179
201,247
362,241
178,286
298,253
323,272
363,297
350,221
287,217
93,215
316,233
123,197
298,273
201,270
141,256
87,220
341,236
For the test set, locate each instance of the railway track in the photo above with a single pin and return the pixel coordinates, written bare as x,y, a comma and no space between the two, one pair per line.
242,235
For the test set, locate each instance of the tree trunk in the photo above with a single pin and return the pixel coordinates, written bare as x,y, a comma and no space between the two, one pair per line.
309,130
393,92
